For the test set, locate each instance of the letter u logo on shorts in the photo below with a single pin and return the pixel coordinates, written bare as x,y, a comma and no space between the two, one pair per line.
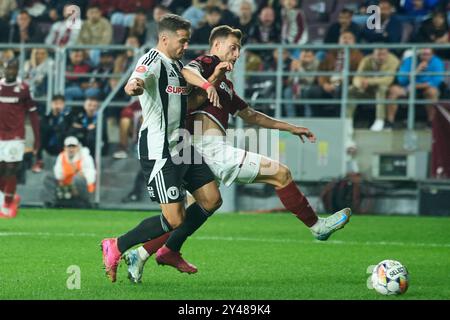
173,193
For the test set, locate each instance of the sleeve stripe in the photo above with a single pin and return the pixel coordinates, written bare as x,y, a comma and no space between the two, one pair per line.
196,65
180,64
150,58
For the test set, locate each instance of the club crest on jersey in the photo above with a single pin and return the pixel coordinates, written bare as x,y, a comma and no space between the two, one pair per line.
141,69
177,90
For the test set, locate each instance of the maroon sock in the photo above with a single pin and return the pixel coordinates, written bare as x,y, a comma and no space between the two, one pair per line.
295,201
10,188
2,184
153,245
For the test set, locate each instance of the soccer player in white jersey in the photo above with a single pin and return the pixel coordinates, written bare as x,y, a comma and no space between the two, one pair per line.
162,89
231,164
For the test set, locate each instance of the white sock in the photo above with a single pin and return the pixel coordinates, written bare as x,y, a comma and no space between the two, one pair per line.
315,225
143,254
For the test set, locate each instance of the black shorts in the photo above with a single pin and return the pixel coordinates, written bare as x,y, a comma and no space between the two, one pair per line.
169,183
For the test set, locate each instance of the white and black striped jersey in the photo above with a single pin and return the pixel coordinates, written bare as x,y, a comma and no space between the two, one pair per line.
164,104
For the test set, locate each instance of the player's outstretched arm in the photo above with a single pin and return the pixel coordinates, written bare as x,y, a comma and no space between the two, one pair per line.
134,87
194,78
251,116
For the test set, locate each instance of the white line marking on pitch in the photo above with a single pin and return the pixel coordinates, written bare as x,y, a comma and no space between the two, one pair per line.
337,242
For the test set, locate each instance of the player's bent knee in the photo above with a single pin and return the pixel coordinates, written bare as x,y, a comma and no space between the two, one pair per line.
212,203
284,176
175,220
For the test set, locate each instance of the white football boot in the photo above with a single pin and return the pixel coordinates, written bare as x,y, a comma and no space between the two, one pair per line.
324,227
135,265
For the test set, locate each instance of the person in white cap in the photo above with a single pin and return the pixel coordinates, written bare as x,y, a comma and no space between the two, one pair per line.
74,175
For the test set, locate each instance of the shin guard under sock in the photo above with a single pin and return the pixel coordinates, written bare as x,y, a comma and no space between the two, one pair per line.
149,228
295,201
196,216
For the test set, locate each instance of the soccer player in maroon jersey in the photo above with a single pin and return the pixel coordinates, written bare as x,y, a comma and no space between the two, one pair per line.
15,103
230,164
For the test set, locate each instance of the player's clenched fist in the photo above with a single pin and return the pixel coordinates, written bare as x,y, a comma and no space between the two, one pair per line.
222,68
302,132
134,87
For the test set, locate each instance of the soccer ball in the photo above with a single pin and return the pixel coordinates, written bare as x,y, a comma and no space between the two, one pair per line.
390,277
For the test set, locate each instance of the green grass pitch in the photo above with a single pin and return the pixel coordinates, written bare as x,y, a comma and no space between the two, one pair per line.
239,256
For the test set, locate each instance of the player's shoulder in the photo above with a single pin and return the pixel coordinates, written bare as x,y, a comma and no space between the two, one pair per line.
23,85
149,62
205,63
151,58
18,86
208,59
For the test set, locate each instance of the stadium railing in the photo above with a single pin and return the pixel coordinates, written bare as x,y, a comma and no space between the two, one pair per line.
56,78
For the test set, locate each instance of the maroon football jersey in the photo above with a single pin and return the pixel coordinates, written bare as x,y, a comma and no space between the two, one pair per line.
15,102
231,103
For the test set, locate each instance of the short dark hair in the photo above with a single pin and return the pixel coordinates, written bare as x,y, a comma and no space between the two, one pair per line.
386,1
173,22
348,31
141,11
58,97
93,6
93,98
347,11
213,9
223,32
309,50
12,63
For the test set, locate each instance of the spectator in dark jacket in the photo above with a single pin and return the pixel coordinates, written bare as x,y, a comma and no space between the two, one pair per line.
435,30
84,126
391,27
25,30
53,128
266,29
246,19
344,23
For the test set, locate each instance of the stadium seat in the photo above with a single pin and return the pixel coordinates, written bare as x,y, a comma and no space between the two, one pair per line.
119,34
316,32
407,31
318,11
44,27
